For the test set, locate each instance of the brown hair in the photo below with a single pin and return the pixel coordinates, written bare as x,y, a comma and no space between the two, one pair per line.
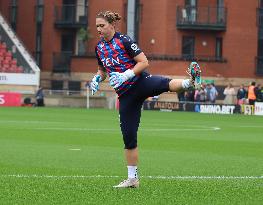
109,16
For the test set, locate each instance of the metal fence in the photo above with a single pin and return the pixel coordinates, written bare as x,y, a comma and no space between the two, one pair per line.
192,16
71,15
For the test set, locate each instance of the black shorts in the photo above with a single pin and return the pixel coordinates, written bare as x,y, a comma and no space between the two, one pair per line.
131,103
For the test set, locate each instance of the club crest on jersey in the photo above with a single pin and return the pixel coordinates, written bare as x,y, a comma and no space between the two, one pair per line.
101,45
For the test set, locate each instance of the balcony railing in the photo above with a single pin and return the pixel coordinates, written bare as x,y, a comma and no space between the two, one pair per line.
204,58
71,16
61,62
201,18
259,65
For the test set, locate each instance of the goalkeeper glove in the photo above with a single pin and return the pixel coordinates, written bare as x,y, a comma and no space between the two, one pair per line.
94,84
116,78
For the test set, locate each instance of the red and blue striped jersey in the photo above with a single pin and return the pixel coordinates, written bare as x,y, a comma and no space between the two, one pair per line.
117,55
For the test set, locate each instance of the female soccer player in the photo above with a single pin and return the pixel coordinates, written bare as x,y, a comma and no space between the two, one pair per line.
120,57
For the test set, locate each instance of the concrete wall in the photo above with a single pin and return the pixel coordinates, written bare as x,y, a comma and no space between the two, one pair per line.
75,101
67,101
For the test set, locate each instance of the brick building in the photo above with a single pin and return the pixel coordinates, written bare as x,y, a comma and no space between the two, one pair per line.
224,36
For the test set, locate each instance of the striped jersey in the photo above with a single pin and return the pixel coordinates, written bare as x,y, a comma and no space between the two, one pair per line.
117,55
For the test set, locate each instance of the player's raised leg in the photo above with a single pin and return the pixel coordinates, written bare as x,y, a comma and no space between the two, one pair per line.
194,71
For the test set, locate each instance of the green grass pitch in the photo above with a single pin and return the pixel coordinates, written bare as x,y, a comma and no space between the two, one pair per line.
75,156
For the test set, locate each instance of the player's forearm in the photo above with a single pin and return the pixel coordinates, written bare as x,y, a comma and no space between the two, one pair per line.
140,67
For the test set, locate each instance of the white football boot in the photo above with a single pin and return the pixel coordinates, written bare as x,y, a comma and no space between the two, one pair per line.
128,183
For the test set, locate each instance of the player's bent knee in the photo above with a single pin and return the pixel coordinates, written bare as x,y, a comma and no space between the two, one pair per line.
129,133
130,141
130,146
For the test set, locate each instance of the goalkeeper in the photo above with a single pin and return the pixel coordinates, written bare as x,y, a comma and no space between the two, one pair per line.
122,60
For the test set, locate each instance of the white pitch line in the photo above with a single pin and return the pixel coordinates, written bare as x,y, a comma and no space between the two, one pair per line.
117,130
62,122
184,127
147,177
29,122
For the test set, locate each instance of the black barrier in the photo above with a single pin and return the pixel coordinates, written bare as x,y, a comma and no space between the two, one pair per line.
191,107
170,106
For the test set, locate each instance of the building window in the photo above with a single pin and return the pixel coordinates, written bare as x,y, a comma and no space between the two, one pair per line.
219,45
220,11
259,66
188,46
260,17
67,42
259,59
191,10
74,85
260,33
57,85
260,42
192,3
69,11
260,47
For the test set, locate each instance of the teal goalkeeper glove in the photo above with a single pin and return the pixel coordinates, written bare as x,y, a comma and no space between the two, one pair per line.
94,84
116,78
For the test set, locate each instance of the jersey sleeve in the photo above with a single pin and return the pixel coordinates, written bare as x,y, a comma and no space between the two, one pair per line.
131,47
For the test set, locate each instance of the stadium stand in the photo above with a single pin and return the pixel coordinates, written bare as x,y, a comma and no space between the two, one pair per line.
8,64
18,70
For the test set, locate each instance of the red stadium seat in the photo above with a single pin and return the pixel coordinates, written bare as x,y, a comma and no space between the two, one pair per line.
13,62
9,58
8,54
5,69
6,62
13,68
